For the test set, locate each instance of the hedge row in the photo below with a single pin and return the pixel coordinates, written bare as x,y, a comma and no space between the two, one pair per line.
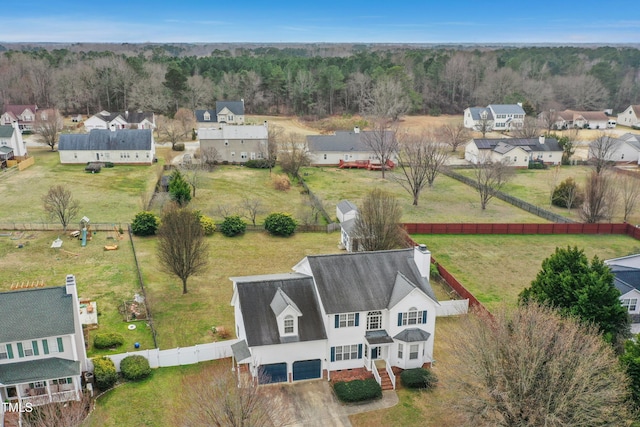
358,390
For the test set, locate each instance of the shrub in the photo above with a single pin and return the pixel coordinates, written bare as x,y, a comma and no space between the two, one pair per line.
563,192
93,168
104,372
281,182
145,224
108,340
419,378
232,226
280,224
108,164
358,390
178,146
259,164
135,368
208,226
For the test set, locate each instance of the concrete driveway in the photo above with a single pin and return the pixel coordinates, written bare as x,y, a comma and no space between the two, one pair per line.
312,403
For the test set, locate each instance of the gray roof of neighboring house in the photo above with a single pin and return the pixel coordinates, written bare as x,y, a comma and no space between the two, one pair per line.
240,350
412,335
506,108
213,118
626,278
532,144
5,150
236,107
37,370
128,116
108,140
346,206
348,225
259,320
342,141
475,113
363,281
503,147
629,137
35,313
6,131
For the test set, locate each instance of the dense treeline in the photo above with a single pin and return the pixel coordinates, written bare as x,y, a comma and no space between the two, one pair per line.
297,81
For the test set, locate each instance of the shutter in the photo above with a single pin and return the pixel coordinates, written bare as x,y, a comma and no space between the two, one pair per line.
35,348
60,346
9,351
399,319
333,354
20,350
337,321
45,346
357,319
424,316
359,351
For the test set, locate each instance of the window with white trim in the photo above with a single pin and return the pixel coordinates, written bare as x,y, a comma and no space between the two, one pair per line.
28,349
400,351
348,319
346,352
413,351
61,381
630,303
374,320
243,155
4,353
288,325
413,317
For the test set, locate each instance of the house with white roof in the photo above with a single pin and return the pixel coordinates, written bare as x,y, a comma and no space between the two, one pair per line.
503,117
236,143
42,348
226,112
122,146
368,312
517,151
627,280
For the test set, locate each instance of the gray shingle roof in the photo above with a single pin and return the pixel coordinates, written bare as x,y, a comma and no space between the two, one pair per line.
35,313
475,113
346,206
132,117
240,350
281,301
412,335
401,288
342,141
5,150
38,370
236,107
363,281
378,337
260,323
6,131
506,109
626,278
213,118
107,140
533,144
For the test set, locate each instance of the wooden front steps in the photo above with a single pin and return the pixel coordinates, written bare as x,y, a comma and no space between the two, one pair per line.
384,377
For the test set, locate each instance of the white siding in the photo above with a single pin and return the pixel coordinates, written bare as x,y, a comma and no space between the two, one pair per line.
84,156
289,353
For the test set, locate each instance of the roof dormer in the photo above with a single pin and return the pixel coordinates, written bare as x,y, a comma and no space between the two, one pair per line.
207,116
287,314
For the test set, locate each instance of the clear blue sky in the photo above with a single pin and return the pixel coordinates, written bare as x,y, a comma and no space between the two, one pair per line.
411,21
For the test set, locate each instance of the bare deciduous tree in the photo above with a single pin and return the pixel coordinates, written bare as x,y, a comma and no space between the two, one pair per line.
226,210
209,156
454,135
193,174
601,151
172,130
548,119
388,99
48,126
599,198
531,367
485,124
217,397
629,188
252,208
490,176
186,118
68,414
420,158
294,154
382,140
552,182
182,249
529,129
377,225
60,204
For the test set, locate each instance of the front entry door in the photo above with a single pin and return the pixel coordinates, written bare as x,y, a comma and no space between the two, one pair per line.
375,353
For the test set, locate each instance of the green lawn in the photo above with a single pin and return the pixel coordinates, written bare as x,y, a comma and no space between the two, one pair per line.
113,195
185,320
108,277
495,268
448,201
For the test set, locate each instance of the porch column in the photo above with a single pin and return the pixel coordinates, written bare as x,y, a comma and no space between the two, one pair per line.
77,387
49,390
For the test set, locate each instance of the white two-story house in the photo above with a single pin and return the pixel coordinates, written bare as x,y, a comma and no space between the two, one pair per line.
499,117
42,348
368,311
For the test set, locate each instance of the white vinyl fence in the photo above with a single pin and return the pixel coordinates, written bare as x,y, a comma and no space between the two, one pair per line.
179,356
452,308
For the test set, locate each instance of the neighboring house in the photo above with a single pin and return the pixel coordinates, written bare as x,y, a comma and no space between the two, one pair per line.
625,149
518,151
569,119
345,146
630,117
627,281
6,154
504,117
24,115
226,112
42,348
126,120
124,146
346,213
365,311
11,137
235,143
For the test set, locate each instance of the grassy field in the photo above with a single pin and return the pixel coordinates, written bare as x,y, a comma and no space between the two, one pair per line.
112,195
184,320
448,201
496,268
108,277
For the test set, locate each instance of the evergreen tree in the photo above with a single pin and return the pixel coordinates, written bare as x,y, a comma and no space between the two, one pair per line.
179,189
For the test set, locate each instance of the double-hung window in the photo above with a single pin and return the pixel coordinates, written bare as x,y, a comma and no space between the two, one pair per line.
412,317
413,351
346,352
347,320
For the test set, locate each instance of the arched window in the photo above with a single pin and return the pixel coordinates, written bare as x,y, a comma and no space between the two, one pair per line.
288,325
374,320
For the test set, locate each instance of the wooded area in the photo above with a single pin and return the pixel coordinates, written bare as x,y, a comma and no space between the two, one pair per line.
308,81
